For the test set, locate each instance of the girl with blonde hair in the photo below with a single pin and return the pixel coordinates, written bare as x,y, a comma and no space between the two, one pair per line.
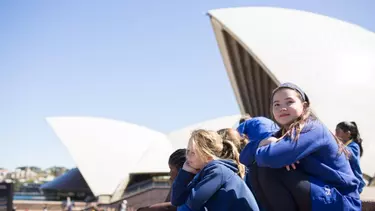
211,178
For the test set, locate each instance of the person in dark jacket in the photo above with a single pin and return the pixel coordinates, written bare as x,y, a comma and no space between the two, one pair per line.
176,161
255,129
349,134
212,177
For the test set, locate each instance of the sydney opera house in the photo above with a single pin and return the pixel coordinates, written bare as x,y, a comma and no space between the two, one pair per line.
116,164
333,61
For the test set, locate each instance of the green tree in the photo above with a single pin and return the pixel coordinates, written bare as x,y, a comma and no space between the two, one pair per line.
17,185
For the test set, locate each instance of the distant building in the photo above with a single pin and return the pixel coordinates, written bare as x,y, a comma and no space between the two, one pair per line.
56,171
71,184
23,174
3,174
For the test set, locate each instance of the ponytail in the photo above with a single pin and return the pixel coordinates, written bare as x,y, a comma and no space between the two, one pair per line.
354,133
230,134
357,137
209,144
230,152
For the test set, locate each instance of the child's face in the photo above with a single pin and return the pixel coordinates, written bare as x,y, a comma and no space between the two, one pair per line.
287,106
173,171
344,136
192,157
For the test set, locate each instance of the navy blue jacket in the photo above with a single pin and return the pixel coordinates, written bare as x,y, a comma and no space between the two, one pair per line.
216,187
256,129
333,184
353,148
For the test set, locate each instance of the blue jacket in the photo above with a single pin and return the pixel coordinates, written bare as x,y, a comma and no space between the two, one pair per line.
333,184
256,129
216,187
353,148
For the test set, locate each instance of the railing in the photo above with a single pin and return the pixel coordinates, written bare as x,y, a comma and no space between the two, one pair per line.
142,186
28,194
33,196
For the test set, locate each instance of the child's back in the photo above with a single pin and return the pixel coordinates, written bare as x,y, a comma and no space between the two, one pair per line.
354,150
216,187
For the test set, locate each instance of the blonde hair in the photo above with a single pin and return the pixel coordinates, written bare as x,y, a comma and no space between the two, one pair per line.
234,136
210,144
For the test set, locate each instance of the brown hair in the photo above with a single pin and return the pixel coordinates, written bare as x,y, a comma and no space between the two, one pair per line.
210,144
294,130
234,136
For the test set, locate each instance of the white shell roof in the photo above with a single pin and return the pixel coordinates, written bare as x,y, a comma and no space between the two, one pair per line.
180,137
333,61
107,151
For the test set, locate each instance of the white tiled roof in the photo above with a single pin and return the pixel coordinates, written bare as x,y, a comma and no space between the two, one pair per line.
107,151
333,61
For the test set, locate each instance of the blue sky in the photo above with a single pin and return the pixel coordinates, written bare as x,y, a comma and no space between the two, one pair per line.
154,63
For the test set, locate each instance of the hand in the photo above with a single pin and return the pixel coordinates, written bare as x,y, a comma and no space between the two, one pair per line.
267,141
190,169
293,165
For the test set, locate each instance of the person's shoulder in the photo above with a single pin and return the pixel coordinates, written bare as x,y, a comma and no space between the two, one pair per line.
353,144
354,147
318,131
212,165
219,166
314,125
266,123
261,120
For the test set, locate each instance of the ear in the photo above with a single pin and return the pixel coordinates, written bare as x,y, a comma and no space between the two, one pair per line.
305,106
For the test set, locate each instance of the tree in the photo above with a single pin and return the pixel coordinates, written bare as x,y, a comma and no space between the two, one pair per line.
17,185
